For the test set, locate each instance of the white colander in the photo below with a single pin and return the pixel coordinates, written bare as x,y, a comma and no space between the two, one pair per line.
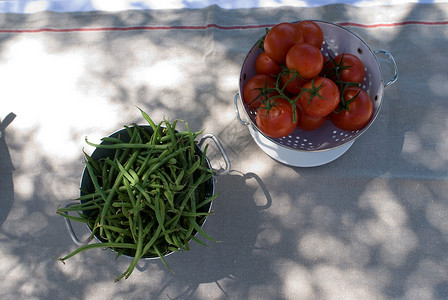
313,148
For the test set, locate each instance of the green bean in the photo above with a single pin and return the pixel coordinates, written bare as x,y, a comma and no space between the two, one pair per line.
78,207
91,197
148,119
161,257
98,245
201,231
117,183
118,229
177,242
94,179
111,140
146,196
138,252
153,239
129,146
196,214
190,194
92,162
148,227
161,162
172,223
198,241
143,132
74,218
160,211
122,204
168,238
119,239
206,201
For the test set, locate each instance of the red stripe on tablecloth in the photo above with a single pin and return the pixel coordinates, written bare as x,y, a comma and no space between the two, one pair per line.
394,24
132,28
202,27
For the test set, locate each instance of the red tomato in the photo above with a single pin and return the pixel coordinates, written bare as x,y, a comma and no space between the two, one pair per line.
293,83
307,122
278,120
266,65
349,67
306,59
312,33
280,39
320,98
252,89
359,112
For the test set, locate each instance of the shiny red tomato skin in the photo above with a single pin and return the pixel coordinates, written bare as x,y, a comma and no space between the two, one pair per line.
307,122
306,59
353,68
278,121
252,89
292,84
280,39
317,106
360,113
312,33
266,65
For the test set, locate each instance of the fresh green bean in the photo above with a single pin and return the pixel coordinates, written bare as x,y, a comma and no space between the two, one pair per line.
99,245
138,252
118,229
201,231
94,179
129,146
74,218
161,162
117,183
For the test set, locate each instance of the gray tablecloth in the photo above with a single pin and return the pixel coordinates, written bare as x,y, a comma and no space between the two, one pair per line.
370,225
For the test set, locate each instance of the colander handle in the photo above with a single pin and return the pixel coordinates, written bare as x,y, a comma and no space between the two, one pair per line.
70,228
226,170
237,111
395,77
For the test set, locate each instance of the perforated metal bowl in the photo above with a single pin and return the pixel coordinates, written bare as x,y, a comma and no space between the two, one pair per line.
313,148
86,187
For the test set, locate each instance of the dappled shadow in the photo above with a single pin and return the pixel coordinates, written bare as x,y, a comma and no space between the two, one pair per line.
370,225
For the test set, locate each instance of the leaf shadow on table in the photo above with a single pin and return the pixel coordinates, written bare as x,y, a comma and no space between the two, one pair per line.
382,254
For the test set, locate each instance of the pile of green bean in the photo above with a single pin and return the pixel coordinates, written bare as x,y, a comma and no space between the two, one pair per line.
150,197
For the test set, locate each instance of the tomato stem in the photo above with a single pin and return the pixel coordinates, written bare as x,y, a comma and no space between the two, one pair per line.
314,92
336,72
344,104
260,43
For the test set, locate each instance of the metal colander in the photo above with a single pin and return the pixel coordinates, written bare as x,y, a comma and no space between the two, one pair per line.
337,39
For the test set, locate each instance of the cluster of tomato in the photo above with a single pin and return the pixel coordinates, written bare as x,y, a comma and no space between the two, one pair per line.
296,85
